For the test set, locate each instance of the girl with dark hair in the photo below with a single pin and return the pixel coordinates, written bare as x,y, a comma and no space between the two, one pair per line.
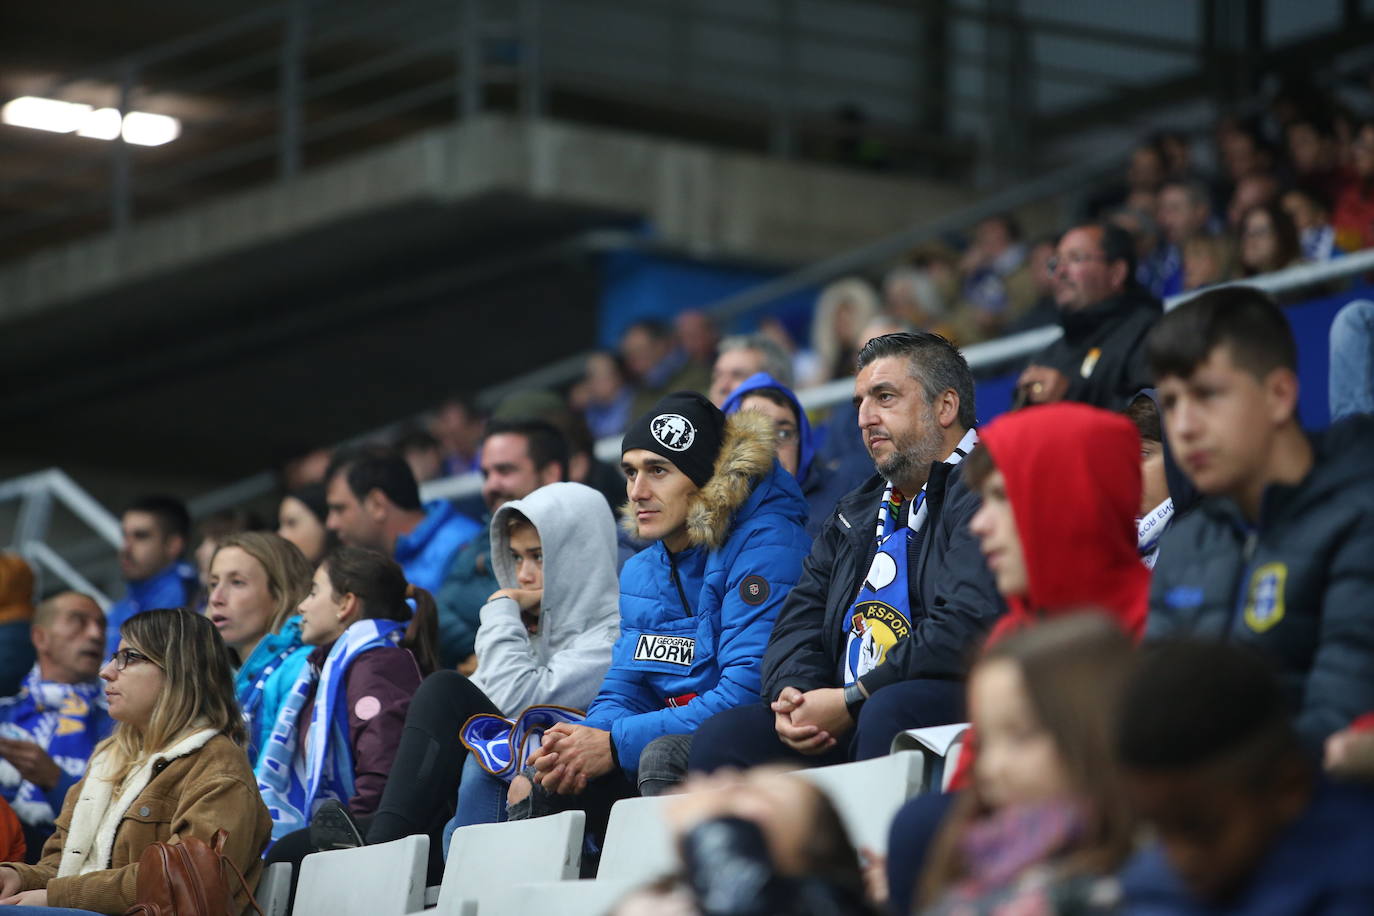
350,700
1046,820
173,768
1269,240
301,518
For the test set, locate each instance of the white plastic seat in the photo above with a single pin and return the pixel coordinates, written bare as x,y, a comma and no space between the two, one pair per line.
485,860
940,745
566,898
383,880
274,889
868,793
639,846
956,750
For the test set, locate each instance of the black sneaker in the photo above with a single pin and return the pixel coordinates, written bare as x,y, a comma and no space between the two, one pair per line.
332,827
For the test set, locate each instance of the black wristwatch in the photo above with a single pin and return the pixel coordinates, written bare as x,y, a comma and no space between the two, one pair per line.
854,697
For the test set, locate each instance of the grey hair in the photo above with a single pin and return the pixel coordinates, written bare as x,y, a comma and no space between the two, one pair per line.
776,362
934,362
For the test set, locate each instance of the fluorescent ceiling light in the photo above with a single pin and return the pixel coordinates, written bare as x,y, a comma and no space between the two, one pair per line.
138,127
44,114
147,129
101,124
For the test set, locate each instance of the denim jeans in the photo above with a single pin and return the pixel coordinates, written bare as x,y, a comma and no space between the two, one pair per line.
1351,389
481,800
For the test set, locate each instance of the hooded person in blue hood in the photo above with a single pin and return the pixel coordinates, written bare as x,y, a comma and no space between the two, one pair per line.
797,444
1167,493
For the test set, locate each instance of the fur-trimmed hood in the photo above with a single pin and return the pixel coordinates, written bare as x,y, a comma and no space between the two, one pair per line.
746,456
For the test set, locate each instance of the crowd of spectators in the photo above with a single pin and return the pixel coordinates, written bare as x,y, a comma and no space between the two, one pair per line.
1145,588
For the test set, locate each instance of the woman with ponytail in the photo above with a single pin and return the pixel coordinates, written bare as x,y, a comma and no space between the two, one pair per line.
350,699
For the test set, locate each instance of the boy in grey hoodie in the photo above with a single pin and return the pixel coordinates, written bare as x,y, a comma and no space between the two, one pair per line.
549,644
545,639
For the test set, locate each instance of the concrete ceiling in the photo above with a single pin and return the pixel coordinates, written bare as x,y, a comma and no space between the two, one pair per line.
250,359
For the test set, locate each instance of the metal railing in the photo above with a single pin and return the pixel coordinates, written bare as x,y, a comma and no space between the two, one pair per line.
984,356
36,494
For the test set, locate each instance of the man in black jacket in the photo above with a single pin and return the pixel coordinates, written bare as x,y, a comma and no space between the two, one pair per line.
1105,315
895,596
1280,554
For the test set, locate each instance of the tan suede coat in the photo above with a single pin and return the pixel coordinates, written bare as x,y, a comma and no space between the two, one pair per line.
195,795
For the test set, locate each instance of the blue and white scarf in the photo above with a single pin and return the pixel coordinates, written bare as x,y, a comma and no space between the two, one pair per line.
251,681
881,614
1150,529
502,747
67,721
292,785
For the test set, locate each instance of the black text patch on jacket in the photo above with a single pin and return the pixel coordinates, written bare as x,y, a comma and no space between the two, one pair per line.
675,650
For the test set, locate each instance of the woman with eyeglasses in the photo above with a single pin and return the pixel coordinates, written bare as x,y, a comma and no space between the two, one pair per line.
174,767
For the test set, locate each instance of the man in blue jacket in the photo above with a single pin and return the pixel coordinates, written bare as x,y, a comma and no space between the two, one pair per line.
156,530
696,606
374,503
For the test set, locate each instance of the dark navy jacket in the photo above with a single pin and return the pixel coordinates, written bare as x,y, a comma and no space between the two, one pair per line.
1321,865
954,599
1298,586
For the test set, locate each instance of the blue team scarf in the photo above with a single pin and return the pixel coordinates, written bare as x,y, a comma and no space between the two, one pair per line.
881,614
292,785
66,720
250,683
1150,529
499,744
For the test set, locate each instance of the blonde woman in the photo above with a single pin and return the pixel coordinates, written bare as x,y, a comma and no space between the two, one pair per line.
174,767
843,310
257,580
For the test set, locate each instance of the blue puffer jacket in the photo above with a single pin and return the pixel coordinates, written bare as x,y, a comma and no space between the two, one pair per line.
427,552
174,586
693,626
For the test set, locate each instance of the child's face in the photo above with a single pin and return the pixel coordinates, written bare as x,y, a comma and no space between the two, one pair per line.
1213,832
1018,762
527,554
1155,488
1221,421
995,527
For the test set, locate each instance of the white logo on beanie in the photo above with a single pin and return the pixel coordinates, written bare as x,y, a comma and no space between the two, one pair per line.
673,431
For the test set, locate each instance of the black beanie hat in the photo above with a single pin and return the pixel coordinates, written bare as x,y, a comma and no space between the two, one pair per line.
685,428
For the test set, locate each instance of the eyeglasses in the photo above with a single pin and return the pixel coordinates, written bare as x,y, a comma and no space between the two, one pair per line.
1071,259
122,658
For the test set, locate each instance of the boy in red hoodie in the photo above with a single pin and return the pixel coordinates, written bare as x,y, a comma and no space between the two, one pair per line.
1061,489
1060,486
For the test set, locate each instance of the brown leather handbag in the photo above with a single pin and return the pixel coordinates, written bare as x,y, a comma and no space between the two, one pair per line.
187,879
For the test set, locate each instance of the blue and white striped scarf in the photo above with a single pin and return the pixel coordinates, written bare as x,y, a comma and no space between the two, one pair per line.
502,747
66,720
292,785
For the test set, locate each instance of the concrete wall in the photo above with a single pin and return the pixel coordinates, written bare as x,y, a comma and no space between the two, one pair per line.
704,201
